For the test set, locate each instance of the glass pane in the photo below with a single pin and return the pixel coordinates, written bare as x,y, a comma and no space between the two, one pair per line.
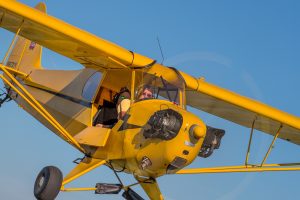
91,86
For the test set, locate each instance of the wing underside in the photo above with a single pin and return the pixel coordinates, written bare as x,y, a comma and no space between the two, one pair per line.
242,110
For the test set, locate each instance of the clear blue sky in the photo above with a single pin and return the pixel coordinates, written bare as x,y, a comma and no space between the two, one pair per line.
250,47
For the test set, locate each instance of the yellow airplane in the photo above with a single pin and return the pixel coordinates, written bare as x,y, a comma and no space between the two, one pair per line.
155,135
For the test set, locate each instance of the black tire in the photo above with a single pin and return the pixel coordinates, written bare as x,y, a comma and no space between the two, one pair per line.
48,183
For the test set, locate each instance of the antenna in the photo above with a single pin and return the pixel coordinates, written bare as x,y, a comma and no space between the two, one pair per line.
161,52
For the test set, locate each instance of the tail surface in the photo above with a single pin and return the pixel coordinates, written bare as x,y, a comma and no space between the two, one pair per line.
26,55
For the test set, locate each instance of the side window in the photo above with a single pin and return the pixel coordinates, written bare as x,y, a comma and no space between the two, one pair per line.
91,86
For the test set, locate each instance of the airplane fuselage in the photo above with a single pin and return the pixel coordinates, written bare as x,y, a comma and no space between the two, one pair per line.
155,136
152,151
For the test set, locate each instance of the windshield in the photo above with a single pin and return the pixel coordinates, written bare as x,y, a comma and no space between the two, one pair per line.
168,87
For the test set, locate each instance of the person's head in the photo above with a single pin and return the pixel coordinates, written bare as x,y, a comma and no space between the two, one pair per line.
123,94
145,92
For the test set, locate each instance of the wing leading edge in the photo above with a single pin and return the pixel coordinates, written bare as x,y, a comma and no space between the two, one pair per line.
81,46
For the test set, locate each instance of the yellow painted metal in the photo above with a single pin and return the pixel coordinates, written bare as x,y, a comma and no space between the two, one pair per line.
249,144
160,152
27,100
40,109
231,106
33,106
22,57
250,165
126,146
236,169
271,146
113,148
278,165
50,87
119,63
182,100
248,104
199,132
77,189
151,188
87,165
132,89
16,72
12,44
152,191
199,171
22,54
93,136
70,41
94,110
92,49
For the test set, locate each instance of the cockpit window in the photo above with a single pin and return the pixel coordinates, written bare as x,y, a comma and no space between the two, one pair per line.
157,87
91,86
168,91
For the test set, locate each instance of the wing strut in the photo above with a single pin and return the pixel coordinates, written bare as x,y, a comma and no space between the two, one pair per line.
271,146
249,144
85,166
12,43
243,168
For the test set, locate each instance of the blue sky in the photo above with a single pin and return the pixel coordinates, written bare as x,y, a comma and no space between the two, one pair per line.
250,47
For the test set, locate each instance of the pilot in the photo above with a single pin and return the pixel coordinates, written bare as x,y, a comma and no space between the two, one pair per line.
144,92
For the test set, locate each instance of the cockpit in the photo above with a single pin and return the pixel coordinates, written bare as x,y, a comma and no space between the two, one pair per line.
142,84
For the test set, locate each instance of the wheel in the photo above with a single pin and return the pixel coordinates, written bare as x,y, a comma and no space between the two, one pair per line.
48,183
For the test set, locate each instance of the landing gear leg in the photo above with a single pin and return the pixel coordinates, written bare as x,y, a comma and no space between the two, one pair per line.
48,183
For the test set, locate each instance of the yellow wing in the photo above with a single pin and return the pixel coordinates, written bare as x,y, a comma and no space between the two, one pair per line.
241,110
81,46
